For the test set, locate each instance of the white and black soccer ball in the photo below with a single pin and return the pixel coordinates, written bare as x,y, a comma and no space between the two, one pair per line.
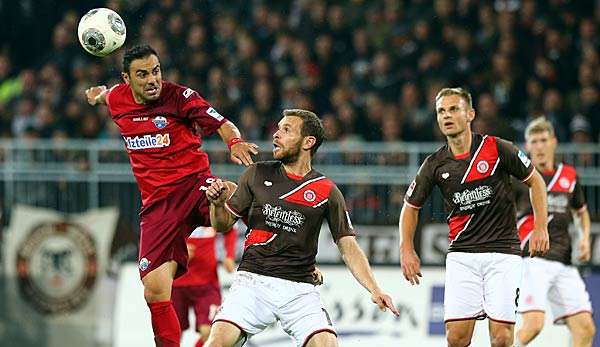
101,31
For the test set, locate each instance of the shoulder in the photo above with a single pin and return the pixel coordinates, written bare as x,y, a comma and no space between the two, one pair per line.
569,171
118,98
267,164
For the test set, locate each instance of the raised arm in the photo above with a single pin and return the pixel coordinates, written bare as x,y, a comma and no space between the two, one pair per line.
539,242
218,192
358,264
96,95
409,260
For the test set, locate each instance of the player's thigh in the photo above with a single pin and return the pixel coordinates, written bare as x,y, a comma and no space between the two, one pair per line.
158,282
225,334
581,324
534,286
533,321
568,296
502,273
322,339
463,290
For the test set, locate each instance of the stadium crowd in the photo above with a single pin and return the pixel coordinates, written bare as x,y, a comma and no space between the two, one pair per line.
370,68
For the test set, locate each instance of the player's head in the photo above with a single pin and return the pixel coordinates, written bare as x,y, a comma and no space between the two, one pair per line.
454,110
299,131
540,141
141,70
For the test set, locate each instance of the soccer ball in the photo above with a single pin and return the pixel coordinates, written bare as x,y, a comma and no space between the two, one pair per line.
101,31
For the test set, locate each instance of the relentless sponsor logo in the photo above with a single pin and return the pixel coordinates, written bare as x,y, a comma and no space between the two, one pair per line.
564,183
275,216
483,167
557,203
213,113
467,198
524,159
147,141
411,188
160,122
445,175
57,267
144,263
310,196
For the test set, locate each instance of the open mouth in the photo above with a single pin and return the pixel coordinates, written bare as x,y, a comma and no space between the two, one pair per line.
276,147
151,90
448,124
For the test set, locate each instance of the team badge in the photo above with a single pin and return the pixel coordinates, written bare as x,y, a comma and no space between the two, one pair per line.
144,263
160,122
483,167
564,183
310,196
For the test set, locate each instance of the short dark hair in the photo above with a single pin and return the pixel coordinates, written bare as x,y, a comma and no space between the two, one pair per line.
136,52
311,126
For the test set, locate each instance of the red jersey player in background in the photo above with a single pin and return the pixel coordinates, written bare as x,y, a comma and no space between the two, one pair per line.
162,124
199,287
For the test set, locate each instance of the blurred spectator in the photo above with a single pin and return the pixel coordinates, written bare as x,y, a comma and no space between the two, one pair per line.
351,61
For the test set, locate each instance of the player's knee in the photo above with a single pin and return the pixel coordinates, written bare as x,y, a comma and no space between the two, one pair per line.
533,327
502,338
458,339
156,291
584,331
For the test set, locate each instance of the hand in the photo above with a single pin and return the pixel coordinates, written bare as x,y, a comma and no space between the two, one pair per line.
539,242
229,264
240,153
584,250
384,302
317,277
217,193
411,265
93,93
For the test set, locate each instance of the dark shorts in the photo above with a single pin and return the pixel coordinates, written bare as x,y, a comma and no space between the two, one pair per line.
166,223
205,300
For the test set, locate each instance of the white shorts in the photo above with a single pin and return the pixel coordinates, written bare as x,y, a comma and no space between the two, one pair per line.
554,282
480,285
255,301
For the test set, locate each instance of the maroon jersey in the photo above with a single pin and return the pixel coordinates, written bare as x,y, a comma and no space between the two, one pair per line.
163,137
284,218
564,194
478,195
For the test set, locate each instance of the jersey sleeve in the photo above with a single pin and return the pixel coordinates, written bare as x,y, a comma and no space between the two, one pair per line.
515,161
240,201
112,98
420,188
337,215
577,197
199,111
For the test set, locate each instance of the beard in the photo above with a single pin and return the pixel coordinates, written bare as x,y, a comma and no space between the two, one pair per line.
291,155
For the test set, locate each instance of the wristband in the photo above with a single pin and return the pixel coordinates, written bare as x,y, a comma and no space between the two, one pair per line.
233,141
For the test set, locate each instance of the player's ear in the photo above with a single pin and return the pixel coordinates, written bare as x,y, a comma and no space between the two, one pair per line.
470,114
309,142
125,77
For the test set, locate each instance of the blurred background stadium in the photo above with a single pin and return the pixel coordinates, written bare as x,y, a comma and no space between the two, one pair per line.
369,68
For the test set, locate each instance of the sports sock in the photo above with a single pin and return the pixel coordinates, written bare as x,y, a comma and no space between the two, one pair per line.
167,332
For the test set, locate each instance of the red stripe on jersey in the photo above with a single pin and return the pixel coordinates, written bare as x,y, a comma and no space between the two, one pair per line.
563,180
195,103
485,159
258,237
525,227
312,193
457,225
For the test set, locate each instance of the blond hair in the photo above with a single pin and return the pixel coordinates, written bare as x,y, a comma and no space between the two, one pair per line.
463,93
539,125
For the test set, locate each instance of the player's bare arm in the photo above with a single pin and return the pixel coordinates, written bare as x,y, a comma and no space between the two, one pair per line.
539,242
239,150
218,193
409,260
96,95
581,218
358,264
